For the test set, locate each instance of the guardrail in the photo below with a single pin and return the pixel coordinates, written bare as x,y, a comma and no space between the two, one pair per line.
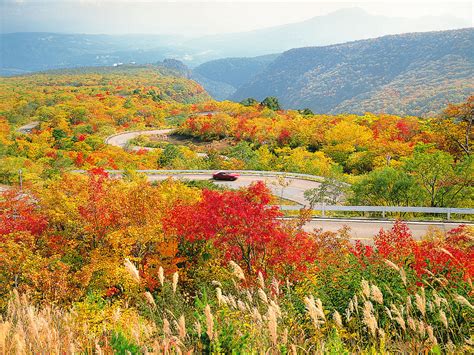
384,209
206,172
323,208
139,131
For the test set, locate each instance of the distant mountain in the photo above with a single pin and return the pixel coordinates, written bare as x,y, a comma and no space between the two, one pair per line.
401,74
222,77
337,27
29,52
34,51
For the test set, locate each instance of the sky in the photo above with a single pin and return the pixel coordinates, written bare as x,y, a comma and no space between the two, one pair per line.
195,18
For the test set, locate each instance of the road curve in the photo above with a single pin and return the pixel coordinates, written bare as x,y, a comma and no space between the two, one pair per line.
121,139
365,230
28,127
290,188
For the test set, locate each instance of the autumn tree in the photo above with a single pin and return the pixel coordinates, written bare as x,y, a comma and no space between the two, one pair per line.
331,191
271,103
244,228
441,180
250,101
459,124
386,187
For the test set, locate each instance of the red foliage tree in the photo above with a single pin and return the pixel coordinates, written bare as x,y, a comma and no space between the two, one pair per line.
18,213
245,228
451,257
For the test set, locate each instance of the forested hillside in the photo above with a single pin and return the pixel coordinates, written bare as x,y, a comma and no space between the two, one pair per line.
94,263
413,74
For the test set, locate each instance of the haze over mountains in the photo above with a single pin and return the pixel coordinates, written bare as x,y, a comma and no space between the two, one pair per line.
314,64
33,51
409,74
337,27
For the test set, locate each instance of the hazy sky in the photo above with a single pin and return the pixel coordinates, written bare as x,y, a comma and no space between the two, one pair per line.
194,17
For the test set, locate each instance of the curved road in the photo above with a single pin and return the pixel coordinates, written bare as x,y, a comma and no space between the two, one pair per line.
290,188
121,139
28,127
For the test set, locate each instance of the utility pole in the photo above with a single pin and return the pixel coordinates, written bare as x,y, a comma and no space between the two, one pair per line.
20,174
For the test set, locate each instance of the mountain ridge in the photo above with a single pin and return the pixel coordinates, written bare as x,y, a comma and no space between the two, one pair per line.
323,77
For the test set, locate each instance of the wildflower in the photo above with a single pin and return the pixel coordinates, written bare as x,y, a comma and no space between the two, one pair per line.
262,295
166,328
443,318
249,296
220,299
421,328
175,281
420,302
365,288
209,322
256,315
462,300
391,264
369,318
237,270
411,323
272,325
150,299
132,270
276,286
337,318
429,330
315,310
181,327
241,306
351,306
376,294
261,281
197,326
161,276
403,276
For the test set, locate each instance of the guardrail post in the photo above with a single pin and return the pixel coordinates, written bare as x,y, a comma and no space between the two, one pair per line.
449,214
383,212
323,211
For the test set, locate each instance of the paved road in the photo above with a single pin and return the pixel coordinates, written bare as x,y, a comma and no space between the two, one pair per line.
28,127
121,139
293,190
366,229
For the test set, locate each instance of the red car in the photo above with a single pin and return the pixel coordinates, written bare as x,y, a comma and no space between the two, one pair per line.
223,175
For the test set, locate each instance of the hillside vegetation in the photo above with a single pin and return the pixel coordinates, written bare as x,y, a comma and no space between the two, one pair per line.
409,74
93,263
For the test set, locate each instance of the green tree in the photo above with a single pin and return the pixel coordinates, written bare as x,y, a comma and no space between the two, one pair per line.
306,112
272,103
331,191
386,187
170,153
438,176
244,151
249,101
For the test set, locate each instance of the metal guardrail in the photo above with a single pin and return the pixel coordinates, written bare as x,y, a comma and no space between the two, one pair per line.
323,208
205,172
384,209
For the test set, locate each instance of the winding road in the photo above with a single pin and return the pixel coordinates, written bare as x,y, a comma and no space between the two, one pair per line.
121,139
291,188
26,129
